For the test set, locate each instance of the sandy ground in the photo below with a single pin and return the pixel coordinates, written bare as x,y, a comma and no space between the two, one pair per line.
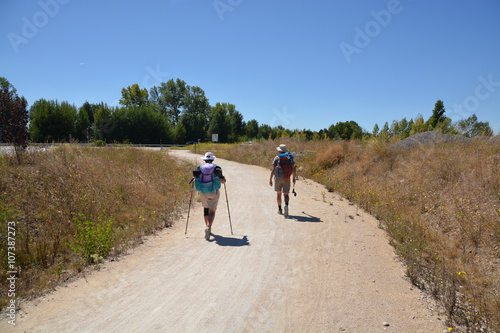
328,268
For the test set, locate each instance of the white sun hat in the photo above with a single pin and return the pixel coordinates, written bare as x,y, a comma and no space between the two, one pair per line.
208,157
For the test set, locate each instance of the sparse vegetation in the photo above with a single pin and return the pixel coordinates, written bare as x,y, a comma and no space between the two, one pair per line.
75,205
440,205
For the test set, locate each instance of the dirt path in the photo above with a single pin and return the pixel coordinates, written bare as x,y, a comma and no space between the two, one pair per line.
328,268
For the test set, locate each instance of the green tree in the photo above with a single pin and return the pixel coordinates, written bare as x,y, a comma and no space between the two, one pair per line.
82,125
400,129
375,130
345,131
140,125
437,115
471,127
235,123
90,109
103,124
171,97
252,129
180,133
264,132
195,114
445,126
219,122
306,135
418,125
134,95
409,127
51,120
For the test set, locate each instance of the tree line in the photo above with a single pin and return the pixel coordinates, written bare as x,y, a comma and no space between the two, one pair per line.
174,112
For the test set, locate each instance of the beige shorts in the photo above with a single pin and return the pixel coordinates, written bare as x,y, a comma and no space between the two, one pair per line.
210,200
282,185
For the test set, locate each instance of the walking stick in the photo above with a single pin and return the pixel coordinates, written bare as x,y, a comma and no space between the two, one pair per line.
228,213
190,199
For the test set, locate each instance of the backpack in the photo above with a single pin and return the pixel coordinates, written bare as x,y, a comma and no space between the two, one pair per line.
205,180
285,166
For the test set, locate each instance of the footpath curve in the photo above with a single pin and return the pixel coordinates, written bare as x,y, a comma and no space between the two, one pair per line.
328,268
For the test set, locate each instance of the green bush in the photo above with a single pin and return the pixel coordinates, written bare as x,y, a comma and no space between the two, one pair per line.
100,143
93,241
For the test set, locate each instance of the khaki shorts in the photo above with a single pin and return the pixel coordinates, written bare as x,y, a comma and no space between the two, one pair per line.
282,185
210,200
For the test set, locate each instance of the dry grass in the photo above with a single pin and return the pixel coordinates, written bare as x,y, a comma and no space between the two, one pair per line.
439,204
139,191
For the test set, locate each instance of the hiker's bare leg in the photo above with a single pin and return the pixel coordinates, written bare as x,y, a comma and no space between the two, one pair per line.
278,198
287,198
211,217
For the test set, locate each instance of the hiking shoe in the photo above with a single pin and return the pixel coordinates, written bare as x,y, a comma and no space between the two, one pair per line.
286,211
207,234
280,212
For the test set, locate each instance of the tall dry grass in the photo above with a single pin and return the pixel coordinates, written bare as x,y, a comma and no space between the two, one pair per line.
52,194
439,204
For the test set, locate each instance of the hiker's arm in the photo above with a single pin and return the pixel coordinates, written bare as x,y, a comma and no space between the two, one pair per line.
293,172
218,173
271,177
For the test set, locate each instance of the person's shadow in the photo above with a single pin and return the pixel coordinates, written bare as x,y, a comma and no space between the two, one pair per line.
230,241
305,218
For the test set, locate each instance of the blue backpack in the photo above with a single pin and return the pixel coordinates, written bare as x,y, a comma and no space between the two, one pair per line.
206,181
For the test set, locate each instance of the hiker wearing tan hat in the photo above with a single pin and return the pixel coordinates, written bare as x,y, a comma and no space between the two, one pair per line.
283,168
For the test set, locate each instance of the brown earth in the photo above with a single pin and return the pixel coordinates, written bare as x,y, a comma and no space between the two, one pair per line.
328,268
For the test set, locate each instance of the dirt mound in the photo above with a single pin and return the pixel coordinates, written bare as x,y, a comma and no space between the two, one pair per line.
427,139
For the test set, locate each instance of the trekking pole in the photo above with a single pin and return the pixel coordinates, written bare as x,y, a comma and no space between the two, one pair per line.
189,209
293,191
228,213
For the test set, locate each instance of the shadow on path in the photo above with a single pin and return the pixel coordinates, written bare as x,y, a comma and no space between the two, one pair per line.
230,241
304,218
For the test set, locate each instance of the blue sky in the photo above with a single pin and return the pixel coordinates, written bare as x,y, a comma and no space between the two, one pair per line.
300,64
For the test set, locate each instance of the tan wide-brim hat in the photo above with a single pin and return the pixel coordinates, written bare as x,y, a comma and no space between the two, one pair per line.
282,148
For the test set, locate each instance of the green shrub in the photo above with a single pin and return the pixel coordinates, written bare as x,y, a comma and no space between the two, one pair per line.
93,240
100,143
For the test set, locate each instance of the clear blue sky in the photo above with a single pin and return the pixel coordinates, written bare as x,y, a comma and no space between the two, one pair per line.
300,64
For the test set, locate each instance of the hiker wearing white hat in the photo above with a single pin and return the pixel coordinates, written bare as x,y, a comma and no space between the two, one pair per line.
208,179
283,168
